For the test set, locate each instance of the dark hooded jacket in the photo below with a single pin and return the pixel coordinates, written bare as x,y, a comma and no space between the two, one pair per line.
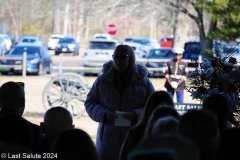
105,95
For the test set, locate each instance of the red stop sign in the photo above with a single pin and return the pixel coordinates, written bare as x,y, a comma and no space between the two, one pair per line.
112,29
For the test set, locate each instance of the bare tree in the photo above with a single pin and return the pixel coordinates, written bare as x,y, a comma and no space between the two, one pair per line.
87,17
194,10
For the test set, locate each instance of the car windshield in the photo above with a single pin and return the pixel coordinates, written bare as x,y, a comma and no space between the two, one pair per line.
66,40
160,53
102,45
55,38
142,41
192,50
100,37
128,39
29,50
29,40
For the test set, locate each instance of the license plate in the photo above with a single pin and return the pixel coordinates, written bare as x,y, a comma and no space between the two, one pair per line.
102,55
18,62
64,49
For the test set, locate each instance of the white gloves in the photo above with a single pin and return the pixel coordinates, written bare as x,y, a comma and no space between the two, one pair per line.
174,84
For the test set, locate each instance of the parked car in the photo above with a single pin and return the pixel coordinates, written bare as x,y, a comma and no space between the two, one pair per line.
164,54
39,60
192,51
147,43
67,44
32,39
53,41
166,42
137,48
99,51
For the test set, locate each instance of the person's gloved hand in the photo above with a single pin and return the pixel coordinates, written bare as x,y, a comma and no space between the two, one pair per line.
174,84
131,116
111,115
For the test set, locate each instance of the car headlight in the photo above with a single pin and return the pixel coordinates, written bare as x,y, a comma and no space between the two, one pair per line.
58,46
36,60
71,45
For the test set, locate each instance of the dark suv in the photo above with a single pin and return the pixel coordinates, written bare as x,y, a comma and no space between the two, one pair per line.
192,51
67,44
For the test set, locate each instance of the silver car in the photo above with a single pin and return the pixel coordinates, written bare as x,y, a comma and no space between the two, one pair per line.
98,52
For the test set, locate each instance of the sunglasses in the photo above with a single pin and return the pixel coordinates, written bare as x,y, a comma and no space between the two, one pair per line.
21,84
120,57
176,54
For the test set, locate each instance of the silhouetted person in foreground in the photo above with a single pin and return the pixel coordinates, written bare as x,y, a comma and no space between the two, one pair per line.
163,118
229,148
176,146
136,133
74,144
166,124
201,127
56,119
220,105
12,100
15,130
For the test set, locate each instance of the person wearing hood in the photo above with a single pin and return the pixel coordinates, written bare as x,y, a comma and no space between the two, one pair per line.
116,100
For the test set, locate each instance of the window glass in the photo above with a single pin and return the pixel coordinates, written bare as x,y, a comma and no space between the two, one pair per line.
142,41
55,38
192,50
67,40
29,50
101,37
29,40
160,53
102,45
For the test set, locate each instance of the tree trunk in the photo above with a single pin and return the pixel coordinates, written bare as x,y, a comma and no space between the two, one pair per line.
65,31
181,33
181,28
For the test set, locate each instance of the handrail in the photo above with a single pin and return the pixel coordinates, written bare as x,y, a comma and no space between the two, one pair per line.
60,67
99,69
137,60
96,69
